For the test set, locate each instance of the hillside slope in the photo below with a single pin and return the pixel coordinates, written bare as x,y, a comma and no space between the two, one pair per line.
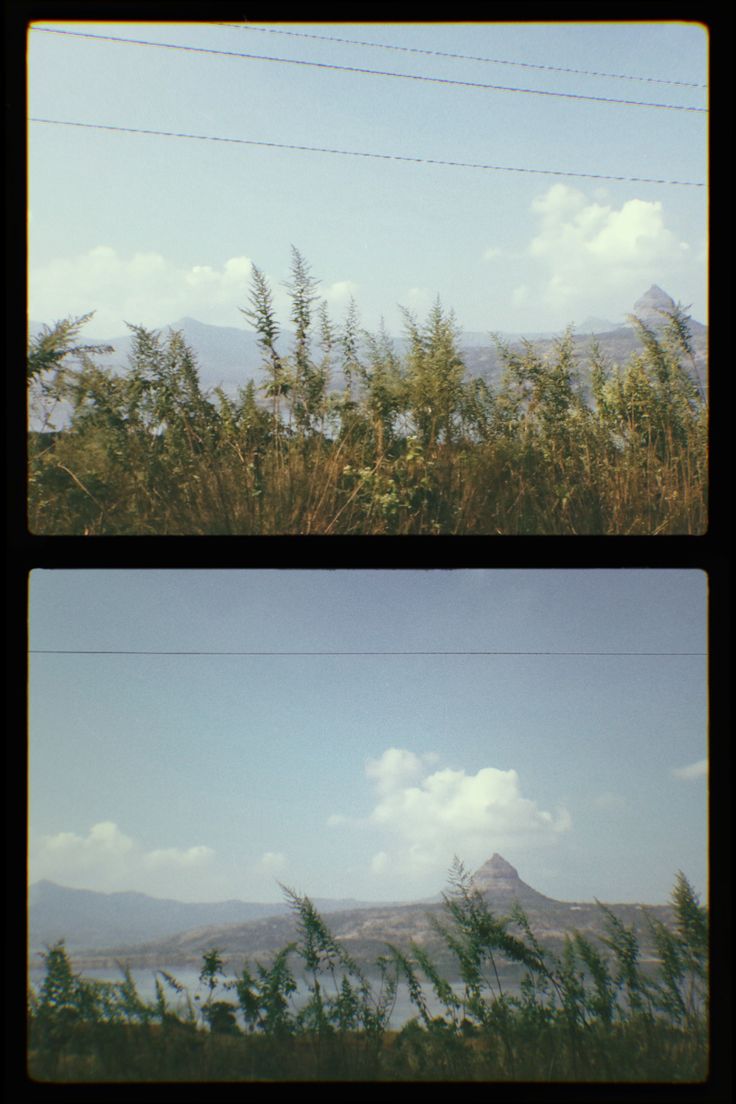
365,930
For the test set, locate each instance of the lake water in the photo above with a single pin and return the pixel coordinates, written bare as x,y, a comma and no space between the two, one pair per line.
144,979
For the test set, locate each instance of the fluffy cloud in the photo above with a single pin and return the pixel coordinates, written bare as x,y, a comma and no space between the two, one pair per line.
175,857
395,768
426,816
108,860
419,299
692,771
576,234
340,293
146,289
589,252
149,290
271,862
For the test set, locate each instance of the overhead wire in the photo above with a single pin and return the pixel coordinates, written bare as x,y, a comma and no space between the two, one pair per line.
460,57
447,81
133,651
364,153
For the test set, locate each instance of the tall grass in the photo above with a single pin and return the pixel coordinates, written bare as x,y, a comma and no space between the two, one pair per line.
590,1013
409,445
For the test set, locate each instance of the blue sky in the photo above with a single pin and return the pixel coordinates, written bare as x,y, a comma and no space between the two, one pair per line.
149,229
210,777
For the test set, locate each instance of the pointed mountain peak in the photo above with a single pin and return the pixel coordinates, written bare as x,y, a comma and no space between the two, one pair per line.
497,864
497,878
651,303
495,871
656,292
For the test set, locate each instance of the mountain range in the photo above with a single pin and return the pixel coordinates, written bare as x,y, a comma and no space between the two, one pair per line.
230,357
101,929
87,919
617,342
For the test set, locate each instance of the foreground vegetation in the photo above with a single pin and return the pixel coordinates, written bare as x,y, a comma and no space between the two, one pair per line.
409,445
591,1013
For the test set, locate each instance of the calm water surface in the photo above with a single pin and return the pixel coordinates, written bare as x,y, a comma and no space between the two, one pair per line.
144,979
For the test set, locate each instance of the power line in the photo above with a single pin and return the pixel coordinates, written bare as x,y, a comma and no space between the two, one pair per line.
370,72
461,57
363,153
116,651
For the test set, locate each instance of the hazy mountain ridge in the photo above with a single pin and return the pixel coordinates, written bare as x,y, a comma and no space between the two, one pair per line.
617,342
363,928
230,357
87,919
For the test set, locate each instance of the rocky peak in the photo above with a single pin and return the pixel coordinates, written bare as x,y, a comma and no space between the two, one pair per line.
495,874
649,305
497,878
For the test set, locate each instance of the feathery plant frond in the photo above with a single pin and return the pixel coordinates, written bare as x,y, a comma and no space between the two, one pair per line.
132,1004
564,443
264,1001
601,1005
318,946
53,344
406,970
442,988
625,946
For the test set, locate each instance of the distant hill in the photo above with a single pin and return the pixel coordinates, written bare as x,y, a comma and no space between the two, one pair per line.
229,356
598,325
86,919
364,929
617,341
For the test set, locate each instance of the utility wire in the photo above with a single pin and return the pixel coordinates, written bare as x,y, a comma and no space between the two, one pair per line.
363,153
115,651
370,72
460,57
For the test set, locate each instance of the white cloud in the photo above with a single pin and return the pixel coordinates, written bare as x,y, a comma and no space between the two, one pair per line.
272,861
396,766
340,293
238,269
108,860
692,771
590,251
419,298
427,816
145,289
104,841
380,862
173,856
